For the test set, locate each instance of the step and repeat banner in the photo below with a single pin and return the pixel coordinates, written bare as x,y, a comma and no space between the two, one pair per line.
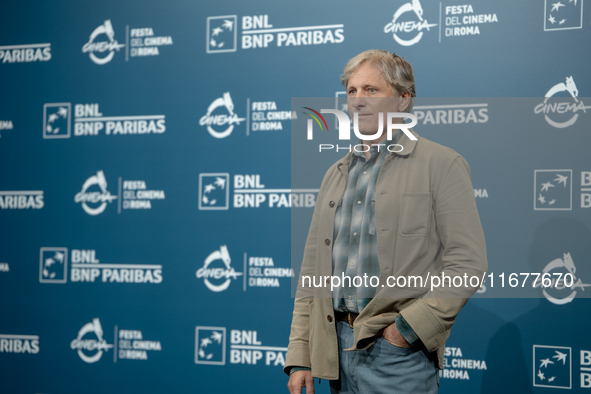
151,225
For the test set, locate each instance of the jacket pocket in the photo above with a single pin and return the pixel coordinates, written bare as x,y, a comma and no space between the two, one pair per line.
415,214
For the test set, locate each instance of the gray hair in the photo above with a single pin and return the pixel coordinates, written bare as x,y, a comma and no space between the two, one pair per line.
395,70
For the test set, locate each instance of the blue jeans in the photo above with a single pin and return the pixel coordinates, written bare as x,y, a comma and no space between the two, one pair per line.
383,368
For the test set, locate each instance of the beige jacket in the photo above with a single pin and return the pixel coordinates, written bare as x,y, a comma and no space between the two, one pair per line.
426,223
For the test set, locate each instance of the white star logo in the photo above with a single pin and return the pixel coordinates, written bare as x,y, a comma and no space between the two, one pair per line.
556,6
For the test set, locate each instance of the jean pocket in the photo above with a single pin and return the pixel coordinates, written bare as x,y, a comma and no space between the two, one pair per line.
393,348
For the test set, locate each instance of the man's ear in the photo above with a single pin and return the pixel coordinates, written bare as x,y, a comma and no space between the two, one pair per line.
404,101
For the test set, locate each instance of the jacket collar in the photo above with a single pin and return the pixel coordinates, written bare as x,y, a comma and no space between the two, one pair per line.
343,164
408,144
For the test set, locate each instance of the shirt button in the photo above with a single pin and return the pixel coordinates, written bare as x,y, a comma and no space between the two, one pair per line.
358,202
331,204
329,318
327,241
355,233
364,172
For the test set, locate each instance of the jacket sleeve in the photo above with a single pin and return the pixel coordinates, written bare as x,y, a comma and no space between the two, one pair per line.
298,351
463,255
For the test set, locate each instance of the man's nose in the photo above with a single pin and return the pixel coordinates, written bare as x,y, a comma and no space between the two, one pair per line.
358,100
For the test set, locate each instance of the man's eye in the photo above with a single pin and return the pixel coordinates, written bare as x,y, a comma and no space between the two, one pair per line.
372,90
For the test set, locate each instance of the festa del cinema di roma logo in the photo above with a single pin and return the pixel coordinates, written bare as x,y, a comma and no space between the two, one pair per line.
398,25
128,344
93,47
218,278
90,349
138,42
87,197
220,124
562,290
562,107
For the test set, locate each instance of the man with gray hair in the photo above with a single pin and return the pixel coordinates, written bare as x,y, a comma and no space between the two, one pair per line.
389,214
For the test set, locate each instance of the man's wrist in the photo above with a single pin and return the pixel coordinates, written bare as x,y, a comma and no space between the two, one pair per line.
295,369
406,331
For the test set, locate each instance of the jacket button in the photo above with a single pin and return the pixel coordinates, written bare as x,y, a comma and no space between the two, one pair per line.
327,241
331,204
329,318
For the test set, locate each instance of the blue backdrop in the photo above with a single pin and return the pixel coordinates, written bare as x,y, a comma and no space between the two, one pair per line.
146,233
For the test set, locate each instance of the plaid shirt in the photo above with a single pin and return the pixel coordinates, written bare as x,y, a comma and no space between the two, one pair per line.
355,244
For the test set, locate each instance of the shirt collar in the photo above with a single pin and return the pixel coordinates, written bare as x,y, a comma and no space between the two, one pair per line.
408,144
381,148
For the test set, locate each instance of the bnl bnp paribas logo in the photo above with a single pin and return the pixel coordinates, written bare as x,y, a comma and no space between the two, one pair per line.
248,192
102,44
438,114
25,53
560,111
553,190
87,268
21,199
408,25
258,32
245,348
553,367
6,125
563,14
89,121
10,343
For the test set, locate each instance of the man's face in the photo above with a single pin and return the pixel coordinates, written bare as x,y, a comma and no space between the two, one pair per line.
368,94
